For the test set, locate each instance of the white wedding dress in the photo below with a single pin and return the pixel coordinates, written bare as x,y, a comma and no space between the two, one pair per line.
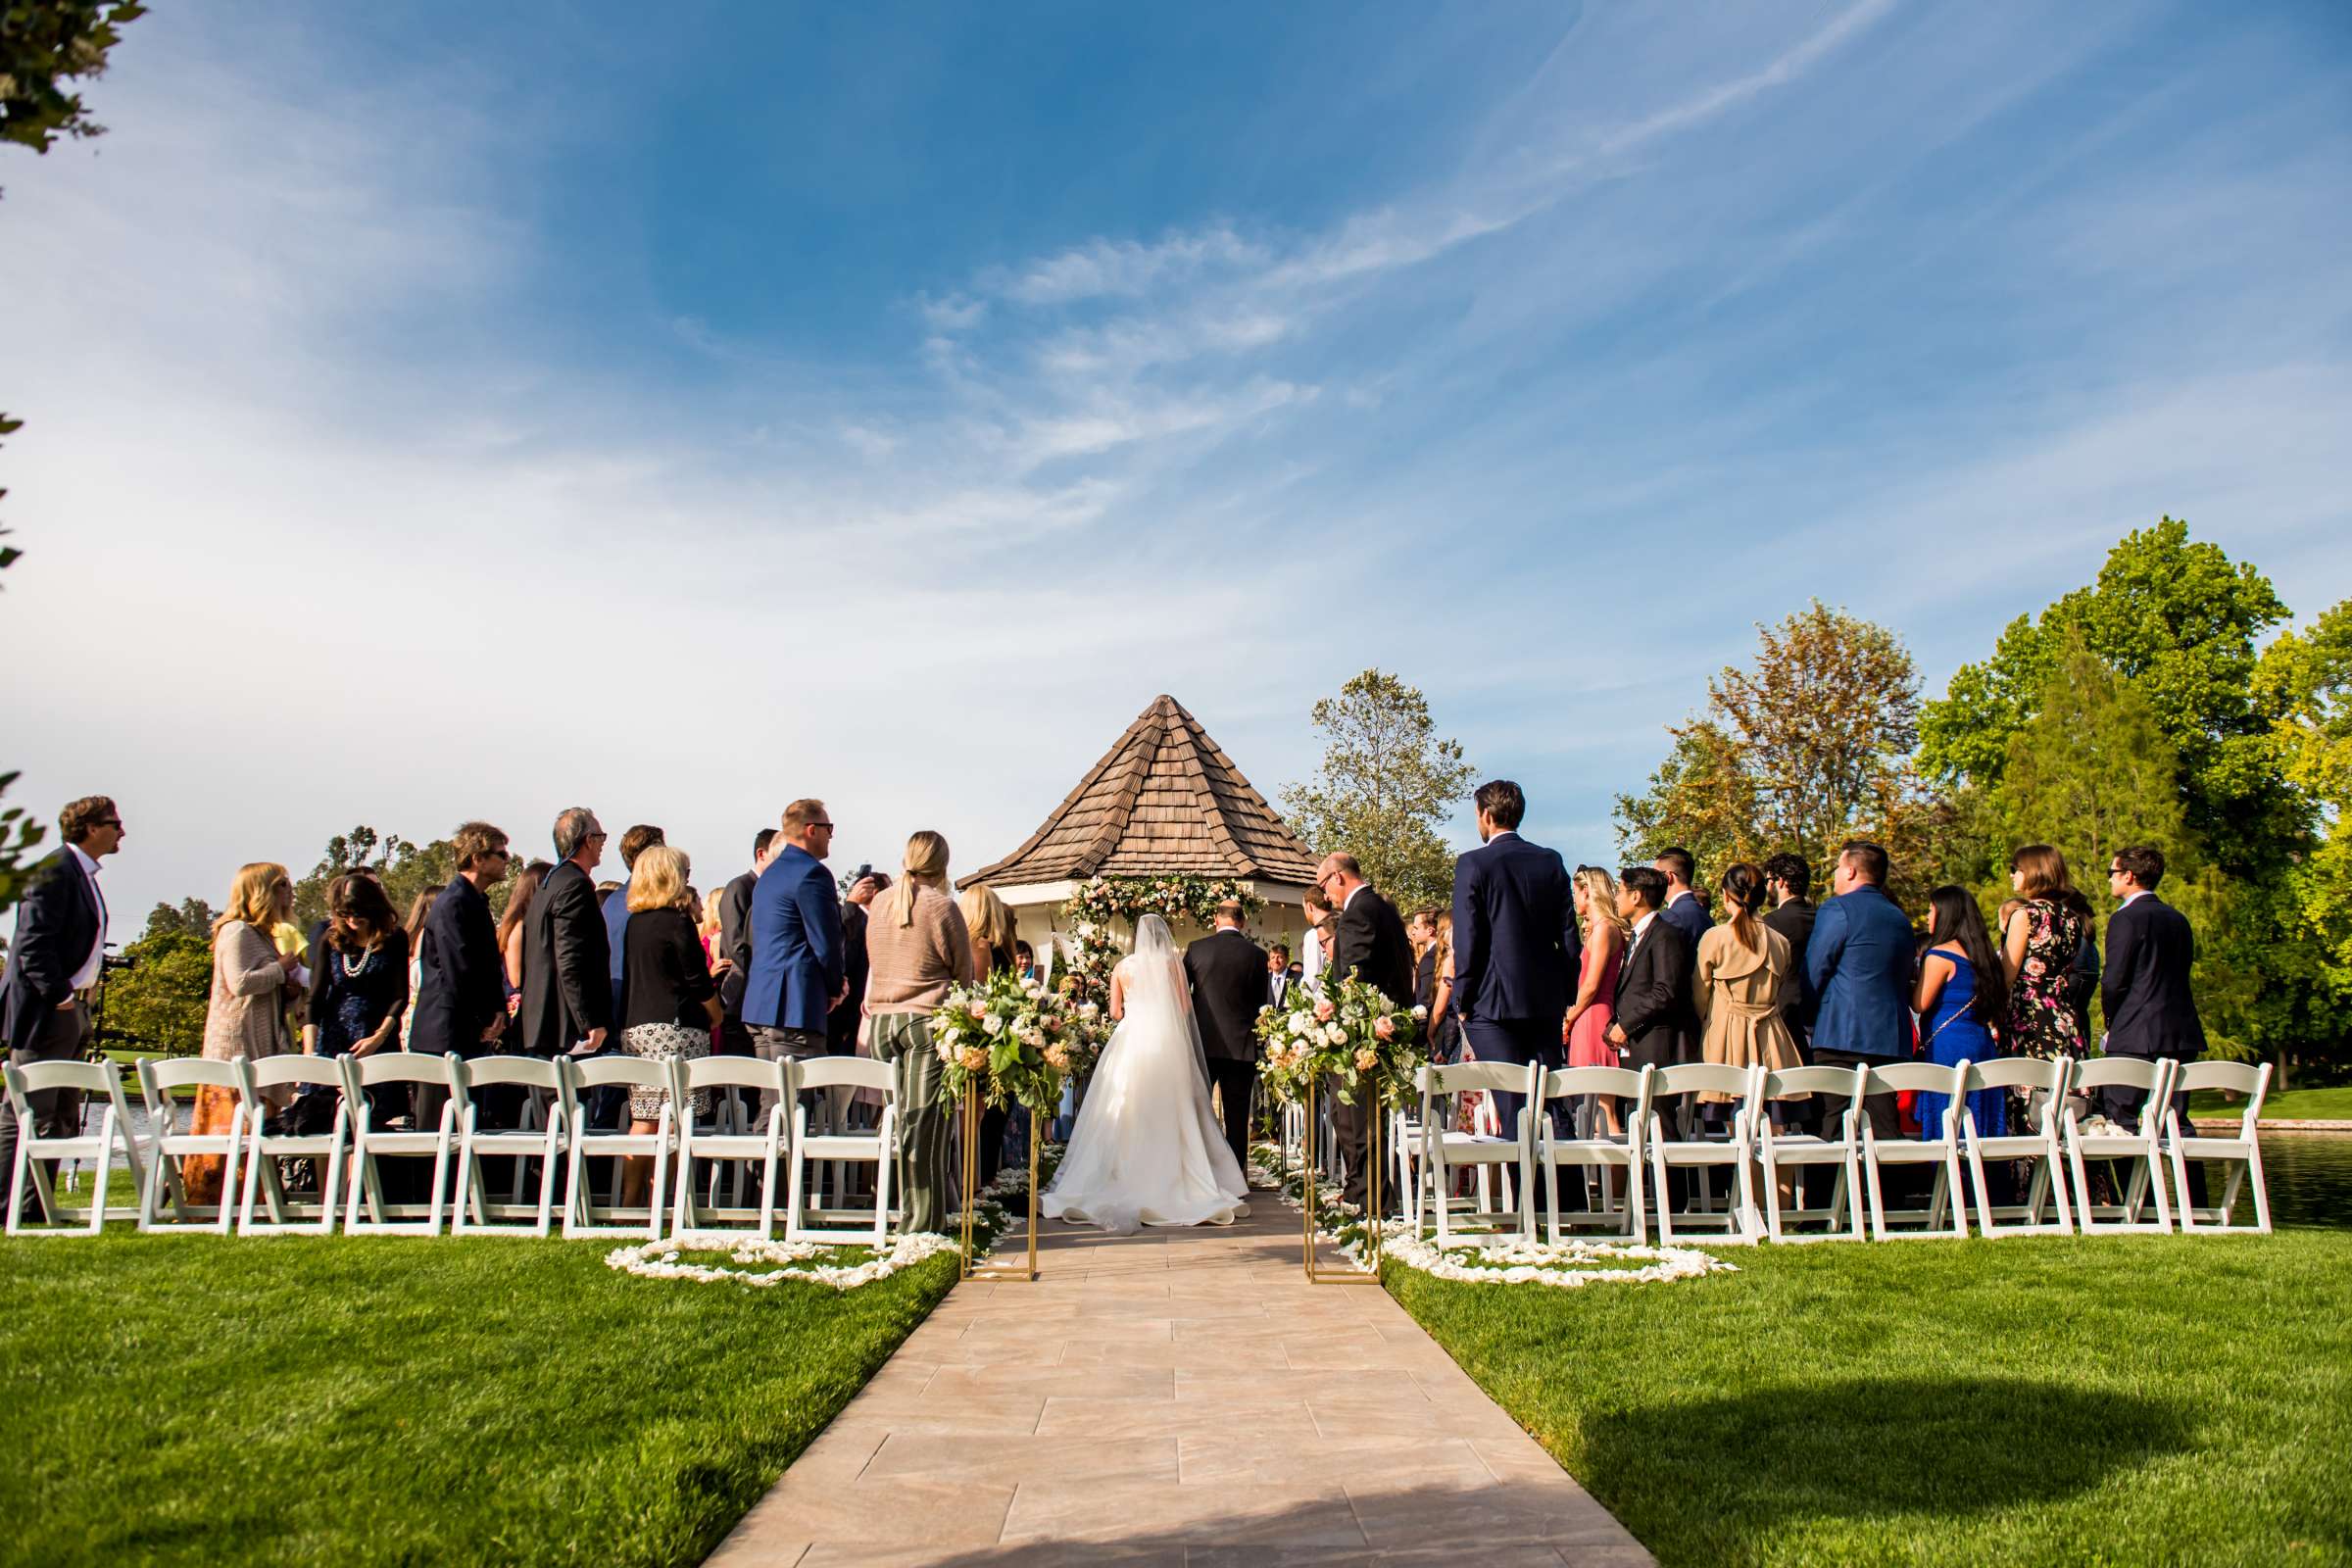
1147,1149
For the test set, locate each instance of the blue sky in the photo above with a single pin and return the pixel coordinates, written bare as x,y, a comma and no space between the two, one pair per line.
886,403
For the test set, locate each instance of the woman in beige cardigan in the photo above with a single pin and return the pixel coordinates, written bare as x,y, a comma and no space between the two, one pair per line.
919,948
246,1014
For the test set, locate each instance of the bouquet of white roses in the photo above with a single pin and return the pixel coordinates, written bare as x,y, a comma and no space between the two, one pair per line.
1013,1037
1352,1034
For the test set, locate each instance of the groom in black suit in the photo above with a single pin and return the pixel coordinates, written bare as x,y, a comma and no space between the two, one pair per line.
1370,941
1227,973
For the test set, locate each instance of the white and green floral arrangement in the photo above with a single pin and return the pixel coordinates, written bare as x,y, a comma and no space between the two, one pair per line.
1012,1038
1352,1037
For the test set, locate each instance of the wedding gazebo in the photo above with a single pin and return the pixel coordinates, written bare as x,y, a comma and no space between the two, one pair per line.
1164,800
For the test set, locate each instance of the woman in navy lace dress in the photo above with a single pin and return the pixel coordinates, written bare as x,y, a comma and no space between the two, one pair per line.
360,988
1962,996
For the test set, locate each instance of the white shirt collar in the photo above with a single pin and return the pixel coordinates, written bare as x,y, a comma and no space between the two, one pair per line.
1643,925
90,868
1350,897
1502,833
2137,893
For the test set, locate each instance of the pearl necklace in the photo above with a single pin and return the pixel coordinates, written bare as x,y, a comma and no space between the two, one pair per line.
351,971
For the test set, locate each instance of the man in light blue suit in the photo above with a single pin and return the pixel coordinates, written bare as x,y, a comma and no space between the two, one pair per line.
1858,975
798,975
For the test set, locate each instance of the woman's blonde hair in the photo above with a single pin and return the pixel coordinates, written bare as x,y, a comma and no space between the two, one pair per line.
658,881
712,909
988,917
1600,898
926,865
253,896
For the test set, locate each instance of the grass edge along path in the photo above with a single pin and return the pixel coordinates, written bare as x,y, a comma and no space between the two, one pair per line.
336,1399
2113,1400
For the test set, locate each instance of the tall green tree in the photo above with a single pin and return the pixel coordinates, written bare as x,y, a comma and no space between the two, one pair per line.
2182,622
1809,746
2306,680
1386,783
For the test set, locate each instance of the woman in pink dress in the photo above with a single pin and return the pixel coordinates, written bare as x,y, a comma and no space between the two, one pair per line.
1586,1028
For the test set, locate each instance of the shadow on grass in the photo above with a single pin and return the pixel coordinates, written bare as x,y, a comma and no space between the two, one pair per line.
1870,1446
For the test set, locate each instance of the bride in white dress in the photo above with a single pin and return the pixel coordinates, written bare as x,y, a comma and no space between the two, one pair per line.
1147,1149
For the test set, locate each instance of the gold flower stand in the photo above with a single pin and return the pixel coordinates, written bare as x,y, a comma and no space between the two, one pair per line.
971,1195
1322,1274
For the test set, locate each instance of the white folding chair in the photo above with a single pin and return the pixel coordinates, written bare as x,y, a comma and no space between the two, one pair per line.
1628,1217
471,1212
725,1142
1504,1150
582,1215
1938,1146
113,1131
1404,1151
2141,1151
2242,1152
168,1146
1733,1151
369,1142
878,1147
289,1211
1841,1218
2049,1186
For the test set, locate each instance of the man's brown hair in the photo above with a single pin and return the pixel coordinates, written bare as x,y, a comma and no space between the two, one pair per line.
633,843
74,822
476,841
799,813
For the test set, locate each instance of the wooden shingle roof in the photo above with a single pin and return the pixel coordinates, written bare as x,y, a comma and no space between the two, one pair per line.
1163,799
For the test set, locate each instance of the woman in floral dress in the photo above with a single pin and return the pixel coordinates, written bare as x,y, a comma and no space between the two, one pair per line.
2041,930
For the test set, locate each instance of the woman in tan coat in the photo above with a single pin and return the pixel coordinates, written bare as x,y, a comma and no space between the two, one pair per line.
1739,984
246,1014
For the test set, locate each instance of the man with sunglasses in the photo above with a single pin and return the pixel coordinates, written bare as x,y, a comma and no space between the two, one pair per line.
61,939
799,966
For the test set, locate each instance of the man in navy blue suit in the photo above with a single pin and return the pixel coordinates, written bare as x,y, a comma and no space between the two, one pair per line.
1683,910
797,976
1515,942
1858,975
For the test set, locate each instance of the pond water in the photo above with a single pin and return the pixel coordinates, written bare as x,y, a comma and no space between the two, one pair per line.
2310,1174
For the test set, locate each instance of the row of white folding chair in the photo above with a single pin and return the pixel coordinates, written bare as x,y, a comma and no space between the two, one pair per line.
561,1085
1754,1152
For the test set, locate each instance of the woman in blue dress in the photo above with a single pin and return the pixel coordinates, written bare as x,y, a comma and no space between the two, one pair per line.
1962,995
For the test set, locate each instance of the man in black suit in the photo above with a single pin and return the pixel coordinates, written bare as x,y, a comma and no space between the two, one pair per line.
566,995
1369,942
1682,908
735,945
841,1026
61,943
1516,949
2151,1008
1279,979
1788,879
1657,1024
461,992
1227,973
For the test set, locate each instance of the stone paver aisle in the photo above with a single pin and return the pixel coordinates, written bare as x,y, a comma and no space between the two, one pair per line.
1174,1398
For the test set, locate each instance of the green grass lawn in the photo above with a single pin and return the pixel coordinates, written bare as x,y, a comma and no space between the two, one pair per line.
2124,1399
361,1400
2296,1105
